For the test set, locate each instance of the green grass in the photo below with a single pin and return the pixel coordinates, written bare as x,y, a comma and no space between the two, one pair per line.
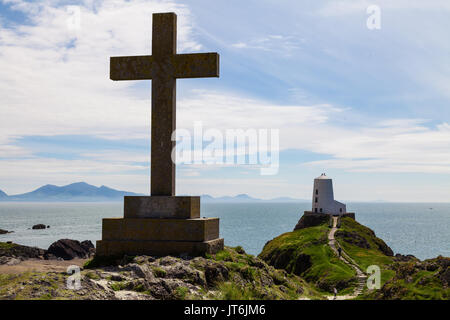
326,267
223,255
362,256
93,276
6,246
120,285
231,291
159,272
181,293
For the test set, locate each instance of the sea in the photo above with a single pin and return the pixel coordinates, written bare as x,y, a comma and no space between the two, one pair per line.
420,229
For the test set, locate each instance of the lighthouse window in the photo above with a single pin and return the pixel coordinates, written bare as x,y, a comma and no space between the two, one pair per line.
315,210
320,209
340,210
317,191
316,199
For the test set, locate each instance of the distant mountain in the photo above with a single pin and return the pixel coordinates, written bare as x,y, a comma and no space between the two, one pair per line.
245,198
3,195
79,191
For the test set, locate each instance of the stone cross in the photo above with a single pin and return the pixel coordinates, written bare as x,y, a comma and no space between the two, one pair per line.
163,67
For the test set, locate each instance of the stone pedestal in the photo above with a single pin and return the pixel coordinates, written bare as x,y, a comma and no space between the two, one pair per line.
160,225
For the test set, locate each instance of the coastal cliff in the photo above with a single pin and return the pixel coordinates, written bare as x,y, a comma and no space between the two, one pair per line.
298,265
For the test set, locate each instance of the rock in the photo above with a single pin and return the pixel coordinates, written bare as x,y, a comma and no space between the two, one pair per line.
239,250
21,252
445,277
9,261
67,249
404,258
310,219
215,273
444,262
88,246
38,226
168,260
382,246
4,231
353,238
186,273
287,260
302,263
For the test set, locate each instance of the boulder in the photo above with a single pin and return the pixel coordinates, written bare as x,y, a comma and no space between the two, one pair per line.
215,273
21,252
88,246
405,258
445,277
67,249
39,226
4,231
353,238
311,219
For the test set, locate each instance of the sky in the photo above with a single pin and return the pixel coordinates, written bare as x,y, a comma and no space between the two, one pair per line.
369,107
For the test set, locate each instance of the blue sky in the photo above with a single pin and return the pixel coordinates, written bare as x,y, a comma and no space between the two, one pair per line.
368,107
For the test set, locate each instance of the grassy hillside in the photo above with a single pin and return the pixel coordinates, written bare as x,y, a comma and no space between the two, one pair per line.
365,248
416,280
229,274
306,253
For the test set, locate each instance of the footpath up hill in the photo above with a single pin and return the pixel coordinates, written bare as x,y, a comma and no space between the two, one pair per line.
306,252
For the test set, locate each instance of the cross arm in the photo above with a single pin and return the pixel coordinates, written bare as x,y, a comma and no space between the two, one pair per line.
196,65
131,68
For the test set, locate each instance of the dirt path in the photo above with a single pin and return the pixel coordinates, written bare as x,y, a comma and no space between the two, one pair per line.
38,265
362,278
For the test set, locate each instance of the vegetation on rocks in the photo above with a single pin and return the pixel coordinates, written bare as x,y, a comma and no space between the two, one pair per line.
294,265
416,280
305,252
365,248
229,274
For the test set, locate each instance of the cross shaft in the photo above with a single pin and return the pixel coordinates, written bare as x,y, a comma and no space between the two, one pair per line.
163,67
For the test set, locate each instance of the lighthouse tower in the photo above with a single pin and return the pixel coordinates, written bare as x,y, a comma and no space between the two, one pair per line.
323,198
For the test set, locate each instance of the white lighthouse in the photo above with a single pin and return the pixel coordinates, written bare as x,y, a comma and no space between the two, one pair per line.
323,197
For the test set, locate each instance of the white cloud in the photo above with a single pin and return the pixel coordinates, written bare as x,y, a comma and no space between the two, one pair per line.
49,87
282,44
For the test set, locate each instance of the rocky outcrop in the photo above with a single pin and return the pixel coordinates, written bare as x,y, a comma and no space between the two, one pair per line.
68,249
4,231
88,246
290,260
38,226
353,238
215,273
311,219
225,275
405,258
415,279
17,251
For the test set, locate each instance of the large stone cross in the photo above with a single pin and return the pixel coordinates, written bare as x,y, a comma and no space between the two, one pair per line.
163,67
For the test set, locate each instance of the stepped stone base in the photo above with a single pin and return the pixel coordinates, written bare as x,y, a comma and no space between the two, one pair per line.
203,229
158,226
157,248
171,207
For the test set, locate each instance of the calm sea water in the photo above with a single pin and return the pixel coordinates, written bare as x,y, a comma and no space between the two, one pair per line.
419,229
